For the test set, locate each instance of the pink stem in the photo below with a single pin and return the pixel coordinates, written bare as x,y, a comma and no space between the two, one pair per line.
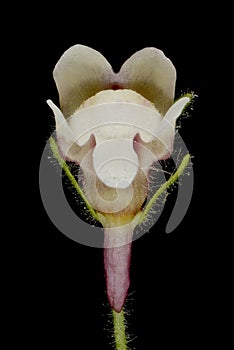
117,264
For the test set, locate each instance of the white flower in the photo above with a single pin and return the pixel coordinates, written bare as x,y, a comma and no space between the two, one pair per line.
115,125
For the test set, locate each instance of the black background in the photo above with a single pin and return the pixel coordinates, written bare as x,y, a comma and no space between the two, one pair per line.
61,284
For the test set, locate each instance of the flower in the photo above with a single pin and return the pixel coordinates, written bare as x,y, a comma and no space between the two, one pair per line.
115,125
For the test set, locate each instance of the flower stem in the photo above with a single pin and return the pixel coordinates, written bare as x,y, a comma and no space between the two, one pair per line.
119,330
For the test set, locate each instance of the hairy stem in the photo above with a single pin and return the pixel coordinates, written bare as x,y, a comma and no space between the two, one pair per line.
119,330
166,185
65,167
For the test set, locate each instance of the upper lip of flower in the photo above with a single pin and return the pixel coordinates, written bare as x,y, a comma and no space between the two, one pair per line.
82,72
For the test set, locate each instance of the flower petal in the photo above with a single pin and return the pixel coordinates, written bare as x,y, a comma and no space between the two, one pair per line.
116,162
110,200
114,120
150,73
162,145
176,109
80,73
69,149
114,126
166,130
